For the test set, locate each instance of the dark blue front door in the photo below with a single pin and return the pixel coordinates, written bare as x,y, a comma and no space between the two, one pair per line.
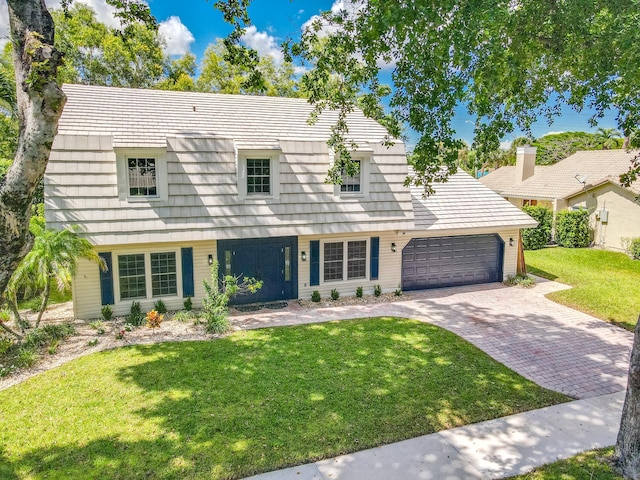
272,260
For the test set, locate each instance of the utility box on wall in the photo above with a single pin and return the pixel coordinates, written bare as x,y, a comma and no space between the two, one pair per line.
604,216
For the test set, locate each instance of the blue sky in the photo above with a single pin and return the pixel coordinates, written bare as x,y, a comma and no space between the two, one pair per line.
191,25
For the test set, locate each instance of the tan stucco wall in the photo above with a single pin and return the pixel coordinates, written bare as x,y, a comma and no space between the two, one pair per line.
624,215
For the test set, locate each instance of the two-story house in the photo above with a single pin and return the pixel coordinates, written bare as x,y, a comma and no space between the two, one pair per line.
164,183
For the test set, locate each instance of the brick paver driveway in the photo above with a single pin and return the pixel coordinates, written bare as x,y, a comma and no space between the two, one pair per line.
555,346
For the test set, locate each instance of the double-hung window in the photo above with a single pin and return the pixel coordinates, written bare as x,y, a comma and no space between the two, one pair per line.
351,183
142,177
132,276
258,176
151,275
164,277
142,174
345,260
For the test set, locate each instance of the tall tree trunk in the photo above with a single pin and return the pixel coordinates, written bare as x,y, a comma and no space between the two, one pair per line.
12,301
40,103
45,301
628,442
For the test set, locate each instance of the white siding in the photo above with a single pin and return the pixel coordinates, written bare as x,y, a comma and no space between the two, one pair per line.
390,265
86,284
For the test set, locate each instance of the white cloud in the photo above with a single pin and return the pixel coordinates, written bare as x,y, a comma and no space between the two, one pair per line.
263,43
506,145
554,133
176,35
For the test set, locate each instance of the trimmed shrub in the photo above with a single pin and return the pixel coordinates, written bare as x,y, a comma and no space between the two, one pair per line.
107,312
315,296
136,317
540,236
377,290
160,307
335,294
572,228
359,292
188,304
634,248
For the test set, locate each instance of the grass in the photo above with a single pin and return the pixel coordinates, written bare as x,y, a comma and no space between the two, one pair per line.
252,402
589,465
605,284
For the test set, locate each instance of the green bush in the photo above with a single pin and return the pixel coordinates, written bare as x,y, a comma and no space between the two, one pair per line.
184,316
136,317
634,248
188,304
42,337
335,294
359,292
398,291
540,236
160,307
5,345
377,290
107,312
27,357
572,228
520,280
315,296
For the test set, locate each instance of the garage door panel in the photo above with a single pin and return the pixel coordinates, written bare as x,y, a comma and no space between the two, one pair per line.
446,261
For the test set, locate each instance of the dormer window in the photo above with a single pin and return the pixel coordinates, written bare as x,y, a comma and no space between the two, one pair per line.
142,177
351,183
258,176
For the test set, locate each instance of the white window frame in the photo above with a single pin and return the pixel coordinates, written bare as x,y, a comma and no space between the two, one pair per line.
159,155
345,260
275,157
365,177
147,274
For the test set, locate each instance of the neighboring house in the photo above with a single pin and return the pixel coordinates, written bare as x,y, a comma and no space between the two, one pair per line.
164,183
587,179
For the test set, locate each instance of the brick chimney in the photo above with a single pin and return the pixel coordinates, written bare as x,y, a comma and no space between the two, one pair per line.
525,163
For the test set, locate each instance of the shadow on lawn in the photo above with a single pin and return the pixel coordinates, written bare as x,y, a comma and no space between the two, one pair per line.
272,398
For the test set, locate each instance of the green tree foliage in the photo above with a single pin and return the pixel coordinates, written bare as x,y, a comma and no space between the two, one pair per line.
98,55
555,147
8,111
572,228
53,259
220,75
509,64
540,236
215,304
178,74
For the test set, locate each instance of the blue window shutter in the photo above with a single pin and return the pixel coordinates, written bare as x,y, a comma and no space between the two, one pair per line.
315,263
187,272
106,280
375,257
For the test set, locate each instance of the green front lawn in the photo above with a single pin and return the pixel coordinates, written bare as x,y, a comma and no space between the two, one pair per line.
605,284
591,465
252,402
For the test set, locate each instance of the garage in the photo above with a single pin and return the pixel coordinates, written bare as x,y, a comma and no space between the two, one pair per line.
449,261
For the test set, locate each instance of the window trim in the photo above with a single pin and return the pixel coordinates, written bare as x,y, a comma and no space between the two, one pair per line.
122,166
275,159
365,177
147,273
345,260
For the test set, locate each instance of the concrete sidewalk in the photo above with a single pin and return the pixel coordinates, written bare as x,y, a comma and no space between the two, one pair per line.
489,450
